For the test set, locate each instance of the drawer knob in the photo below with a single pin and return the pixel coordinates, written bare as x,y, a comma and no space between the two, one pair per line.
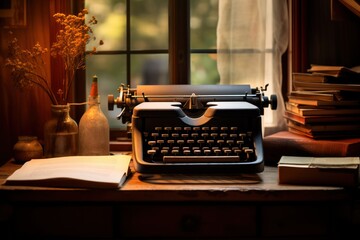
190,223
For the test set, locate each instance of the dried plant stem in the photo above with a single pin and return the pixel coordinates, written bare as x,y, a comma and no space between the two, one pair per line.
43,85
28,66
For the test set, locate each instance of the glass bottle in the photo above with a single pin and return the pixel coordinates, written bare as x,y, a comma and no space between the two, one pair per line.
94,131
27,148
61,133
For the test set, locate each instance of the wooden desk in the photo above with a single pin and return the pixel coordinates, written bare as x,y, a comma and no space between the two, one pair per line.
253,206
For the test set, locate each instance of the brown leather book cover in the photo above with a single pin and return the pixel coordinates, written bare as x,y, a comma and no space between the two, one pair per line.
285,143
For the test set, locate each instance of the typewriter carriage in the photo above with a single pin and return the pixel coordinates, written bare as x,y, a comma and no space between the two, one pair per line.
192,97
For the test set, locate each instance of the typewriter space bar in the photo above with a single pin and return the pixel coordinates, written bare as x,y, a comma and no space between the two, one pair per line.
200,159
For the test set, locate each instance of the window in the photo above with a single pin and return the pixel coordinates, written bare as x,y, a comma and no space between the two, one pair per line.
155,42
137,44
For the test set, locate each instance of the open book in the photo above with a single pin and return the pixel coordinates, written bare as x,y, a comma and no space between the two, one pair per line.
108,171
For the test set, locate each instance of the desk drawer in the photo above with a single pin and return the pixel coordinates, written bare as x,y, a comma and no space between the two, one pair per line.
60,221
295,220
178,220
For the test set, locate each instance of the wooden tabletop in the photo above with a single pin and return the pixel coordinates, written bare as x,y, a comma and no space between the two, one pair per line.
175,187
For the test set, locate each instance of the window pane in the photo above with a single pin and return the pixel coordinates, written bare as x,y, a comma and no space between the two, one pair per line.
111,72
149,69
204,69
149,24
203,23
111,26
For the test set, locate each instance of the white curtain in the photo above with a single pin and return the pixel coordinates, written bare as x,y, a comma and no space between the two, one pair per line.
252,35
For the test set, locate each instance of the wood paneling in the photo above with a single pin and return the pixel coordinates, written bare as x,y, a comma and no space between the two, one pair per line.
24,112
318,38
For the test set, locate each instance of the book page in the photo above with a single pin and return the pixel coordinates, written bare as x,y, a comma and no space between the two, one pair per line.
104,169
335,161
320,162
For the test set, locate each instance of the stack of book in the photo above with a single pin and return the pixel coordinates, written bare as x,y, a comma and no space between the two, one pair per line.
325,103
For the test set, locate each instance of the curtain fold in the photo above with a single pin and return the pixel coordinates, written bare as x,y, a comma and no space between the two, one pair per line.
252,35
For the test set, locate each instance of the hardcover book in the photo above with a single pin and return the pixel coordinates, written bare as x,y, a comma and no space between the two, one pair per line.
327,95
308,110
335,71
286,143
314,86
321,103
328,127
325,171
310,77
321,119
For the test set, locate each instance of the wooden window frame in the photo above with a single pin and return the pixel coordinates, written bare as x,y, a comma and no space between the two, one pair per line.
180,51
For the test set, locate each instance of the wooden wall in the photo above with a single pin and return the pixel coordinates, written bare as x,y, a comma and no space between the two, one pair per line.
332,40
24,112
324,32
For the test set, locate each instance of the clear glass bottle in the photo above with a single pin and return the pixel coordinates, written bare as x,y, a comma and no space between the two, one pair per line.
27,148
94,131
61,133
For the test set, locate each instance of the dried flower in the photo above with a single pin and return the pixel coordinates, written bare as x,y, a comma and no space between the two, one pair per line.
28,66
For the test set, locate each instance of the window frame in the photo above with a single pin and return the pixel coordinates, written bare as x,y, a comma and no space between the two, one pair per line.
179,52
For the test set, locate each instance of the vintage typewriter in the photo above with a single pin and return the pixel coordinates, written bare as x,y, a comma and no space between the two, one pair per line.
194,128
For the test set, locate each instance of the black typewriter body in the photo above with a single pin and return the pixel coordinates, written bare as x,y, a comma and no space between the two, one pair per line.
195,129
226,138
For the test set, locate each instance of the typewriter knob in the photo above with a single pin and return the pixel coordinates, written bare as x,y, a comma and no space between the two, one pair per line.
111,102
273,101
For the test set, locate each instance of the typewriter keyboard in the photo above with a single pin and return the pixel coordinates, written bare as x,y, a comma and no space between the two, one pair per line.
198,144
